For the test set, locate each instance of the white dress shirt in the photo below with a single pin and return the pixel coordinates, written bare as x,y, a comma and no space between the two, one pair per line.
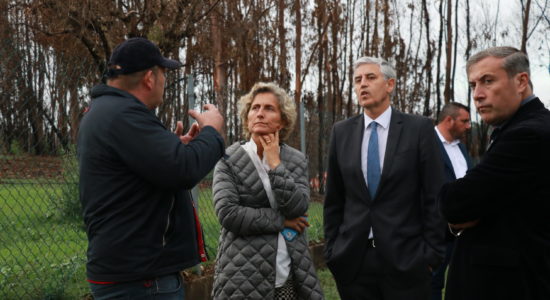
460,166
382,129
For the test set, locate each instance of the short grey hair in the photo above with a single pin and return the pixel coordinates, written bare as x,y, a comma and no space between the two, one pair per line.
385,67
286,106
514,62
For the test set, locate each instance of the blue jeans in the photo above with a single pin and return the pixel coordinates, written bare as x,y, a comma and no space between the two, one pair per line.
167,287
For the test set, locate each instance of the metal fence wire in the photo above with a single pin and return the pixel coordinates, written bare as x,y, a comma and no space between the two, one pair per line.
42,237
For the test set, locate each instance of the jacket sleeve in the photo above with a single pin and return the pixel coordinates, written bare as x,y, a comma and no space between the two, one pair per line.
289,183
335,196
506,174
156,154
431,179
233,216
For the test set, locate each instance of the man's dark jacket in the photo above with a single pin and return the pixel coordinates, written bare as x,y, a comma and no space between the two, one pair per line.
507,255
407,227
450,172
134,181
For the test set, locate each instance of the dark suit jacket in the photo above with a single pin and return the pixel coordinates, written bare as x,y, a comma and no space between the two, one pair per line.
507,255
408,230
450,173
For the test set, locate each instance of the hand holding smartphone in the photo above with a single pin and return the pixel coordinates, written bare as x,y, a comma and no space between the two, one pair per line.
290,233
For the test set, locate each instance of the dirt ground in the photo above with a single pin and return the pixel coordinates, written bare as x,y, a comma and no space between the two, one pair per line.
30,167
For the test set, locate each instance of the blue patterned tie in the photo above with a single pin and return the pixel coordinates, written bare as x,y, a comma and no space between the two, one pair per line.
373,161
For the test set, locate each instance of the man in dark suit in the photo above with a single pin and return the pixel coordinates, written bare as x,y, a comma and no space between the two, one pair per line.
501,208
383,232
452,124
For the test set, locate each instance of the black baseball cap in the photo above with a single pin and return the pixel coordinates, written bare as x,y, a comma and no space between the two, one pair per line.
137,54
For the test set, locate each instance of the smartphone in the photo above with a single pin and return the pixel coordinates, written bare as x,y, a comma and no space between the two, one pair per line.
290,234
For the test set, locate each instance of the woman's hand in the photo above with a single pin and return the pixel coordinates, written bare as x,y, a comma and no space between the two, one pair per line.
298,224
270,144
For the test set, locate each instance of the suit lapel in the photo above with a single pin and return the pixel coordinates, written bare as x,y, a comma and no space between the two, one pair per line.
394,134
449,170
446,158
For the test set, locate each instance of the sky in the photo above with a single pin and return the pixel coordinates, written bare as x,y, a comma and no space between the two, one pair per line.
541,84
503,19
504,16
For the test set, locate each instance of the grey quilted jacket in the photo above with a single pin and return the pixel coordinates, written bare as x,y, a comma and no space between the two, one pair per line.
245,264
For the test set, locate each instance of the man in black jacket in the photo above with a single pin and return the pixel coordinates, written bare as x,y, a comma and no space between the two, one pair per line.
135,177
501,208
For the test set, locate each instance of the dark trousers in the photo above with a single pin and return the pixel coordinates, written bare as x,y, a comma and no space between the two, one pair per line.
438,276
374,282
168,287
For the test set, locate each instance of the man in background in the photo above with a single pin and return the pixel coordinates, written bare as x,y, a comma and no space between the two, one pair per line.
452,124
501,207
384,234
135,177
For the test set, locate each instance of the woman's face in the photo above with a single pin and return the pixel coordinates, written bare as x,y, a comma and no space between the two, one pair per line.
264,116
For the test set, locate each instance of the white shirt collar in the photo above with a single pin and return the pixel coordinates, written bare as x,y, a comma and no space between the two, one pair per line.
252,146
443,140
382,120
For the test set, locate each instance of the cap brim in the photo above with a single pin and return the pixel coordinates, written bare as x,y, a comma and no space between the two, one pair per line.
170,64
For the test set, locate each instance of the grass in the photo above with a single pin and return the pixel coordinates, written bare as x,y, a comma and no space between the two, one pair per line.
43,253
328,285
210,225
315,219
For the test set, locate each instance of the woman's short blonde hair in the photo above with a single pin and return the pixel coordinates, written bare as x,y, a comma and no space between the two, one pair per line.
286,106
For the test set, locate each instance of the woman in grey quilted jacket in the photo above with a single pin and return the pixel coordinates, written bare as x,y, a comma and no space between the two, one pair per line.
261,197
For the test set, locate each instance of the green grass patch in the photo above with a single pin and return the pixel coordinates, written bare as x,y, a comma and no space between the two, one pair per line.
315,219
328,285
43,248
41,255
209,221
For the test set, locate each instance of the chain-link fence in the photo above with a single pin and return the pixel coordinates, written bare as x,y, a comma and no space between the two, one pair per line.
42,238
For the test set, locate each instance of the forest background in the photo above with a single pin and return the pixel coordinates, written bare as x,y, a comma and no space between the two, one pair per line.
54,51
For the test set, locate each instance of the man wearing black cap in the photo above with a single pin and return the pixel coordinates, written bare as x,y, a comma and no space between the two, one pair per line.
135,177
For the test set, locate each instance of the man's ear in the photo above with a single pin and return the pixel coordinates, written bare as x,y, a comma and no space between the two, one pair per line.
148,79
391,85
522,81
